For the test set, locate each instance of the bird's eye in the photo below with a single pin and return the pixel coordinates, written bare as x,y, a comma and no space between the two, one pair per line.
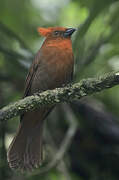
56,33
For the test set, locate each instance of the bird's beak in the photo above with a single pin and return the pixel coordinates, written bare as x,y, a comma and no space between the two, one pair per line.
69,32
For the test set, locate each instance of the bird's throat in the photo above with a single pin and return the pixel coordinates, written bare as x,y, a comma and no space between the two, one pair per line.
59,43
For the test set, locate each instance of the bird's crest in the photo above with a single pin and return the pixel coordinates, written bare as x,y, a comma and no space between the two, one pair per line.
46,31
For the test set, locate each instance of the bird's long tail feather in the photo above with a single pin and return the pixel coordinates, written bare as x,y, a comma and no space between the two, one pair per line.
25,151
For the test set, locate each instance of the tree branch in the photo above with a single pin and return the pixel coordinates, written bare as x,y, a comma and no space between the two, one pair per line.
65,94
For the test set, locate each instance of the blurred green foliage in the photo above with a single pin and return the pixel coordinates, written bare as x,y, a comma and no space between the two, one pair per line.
96,50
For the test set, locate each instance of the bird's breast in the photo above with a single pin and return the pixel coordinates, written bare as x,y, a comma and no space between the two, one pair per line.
60,65
55,67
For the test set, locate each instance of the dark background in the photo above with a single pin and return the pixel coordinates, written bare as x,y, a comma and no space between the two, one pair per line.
94,151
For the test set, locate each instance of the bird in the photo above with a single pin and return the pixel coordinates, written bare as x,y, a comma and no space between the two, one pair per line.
51,68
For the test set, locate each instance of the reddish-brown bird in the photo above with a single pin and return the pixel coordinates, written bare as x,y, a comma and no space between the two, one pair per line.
51,68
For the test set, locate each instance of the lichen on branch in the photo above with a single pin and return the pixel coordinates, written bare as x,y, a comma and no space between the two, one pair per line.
65,94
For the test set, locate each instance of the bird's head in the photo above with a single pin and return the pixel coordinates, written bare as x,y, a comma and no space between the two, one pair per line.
56,32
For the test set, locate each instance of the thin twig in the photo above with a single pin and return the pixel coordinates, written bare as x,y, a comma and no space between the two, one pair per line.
92,52
13,35
12,53
73,125
62,167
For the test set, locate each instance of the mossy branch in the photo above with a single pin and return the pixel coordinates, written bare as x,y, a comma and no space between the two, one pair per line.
65,94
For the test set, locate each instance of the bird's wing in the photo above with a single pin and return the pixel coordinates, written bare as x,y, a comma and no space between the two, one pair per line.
35,77
29,78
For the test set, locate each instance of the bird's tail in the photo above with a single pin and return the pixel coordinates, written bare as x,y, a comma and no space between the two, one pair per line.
25,151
